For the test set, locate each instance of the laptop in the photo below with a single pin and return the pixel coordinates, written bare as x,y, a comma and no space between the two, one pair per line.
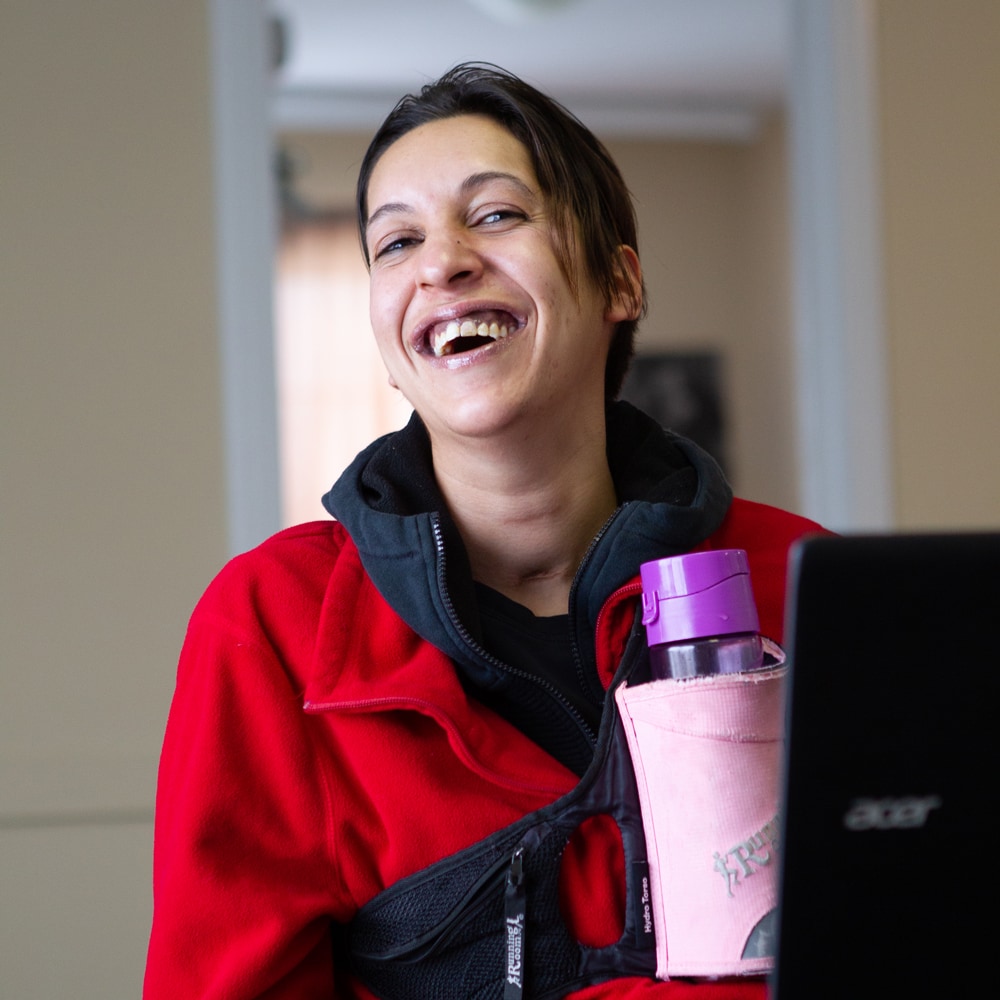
891,844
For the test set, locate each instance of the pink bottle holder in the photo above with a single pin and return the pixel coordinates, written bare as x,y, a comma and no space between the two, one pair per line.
707,755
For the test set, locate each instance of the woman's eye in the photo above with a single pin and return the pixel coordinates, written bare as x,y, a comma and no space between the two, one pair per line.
498,215
393,245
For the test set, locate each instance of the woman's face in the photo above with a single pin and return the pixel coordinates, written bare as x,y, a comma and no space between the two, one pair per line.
473,315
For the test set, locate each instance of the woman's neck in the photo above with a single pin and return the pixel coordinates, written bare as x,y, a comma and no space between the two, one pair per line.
527,513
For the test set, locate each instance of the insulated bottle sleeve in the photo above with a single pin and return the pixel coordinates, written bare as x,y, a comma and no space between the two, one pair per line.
707,755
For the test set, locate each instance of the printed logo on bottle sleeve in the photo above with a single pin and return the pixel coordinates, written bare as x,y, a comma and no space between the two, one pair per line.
749,856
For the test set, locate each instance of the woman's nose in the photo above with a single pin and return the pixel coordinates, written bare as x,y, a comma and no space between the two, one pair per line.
446,258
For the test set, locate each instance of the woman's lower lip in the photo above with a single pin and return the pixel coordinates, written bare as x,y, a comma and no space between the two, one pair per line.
478,354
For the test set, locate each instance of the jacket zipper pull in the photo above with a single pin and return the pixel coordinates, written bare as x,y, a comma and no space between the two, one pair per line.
515,909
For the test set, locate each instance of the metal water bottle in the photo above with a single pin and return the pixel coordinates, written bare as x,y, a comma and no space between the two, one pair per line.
700,615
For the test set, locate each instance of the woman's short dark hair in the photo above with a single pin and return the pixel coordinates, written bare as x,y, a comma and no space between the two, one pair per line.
585,192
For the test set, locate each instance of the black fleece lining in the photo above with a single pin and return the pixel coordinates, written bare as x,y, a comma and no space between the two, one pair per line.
540,646
399,481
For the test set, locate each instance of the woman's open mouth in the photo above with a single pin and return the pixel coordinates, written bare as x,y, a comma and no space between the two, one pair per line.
470,332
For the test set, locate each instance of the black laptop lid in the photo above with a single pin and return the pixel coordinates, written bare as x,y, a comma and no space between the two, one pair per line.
891,847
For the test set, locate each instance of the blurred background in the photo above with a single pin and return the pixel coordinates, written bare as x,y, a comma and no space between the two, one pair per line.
187,363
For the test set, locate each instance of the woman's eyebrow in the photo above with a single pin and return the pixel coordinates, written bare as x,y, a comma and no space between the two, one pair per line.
471,183
477,180
389,208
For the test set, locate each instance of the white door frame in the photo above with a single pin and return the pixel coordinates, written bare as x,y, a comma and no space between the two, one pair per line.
842,389
246,220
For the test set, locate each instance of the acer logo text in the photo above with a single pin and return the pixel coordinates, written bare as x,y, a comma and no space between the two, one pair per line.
906,813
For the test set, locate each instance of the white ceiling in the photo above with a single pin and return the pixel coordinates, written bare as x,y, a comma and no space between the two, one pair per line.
691,67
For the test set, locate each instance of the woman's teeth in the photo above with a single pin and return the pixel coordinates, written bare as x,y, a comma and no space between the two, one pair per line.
444,340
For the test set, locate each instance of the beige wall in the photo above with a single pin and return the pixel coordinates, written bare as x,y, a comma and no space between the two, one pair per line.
713,229
939,78
111,507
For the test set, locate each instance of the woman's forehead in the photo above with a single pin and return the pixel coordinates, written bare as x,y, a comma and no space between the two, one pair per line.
447,153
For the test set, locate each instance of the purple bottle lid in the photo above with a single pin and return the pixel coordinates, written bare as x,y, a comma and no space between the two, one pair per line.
697,595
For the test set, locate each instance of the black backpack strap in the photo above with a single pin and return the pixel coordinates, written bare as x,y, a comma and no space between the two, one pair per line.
485,923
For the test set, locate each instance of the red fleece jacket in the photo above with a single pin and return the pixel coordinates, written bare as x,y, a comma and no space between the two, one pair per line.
318,750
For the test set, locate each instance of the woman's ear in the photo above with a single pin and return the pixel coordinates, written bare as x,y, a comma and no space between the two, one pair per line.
627,301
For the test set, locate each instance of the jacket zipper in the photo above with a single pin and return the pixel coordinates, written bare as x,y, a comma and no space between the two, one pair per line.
494,661
595,541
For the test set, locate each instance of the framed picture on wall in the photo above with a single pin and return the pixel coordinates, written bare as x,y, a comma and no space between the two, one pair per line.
682,391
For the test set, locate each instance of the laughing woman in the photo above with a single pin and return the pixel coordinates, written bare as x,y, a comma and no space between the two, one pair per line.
390,764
